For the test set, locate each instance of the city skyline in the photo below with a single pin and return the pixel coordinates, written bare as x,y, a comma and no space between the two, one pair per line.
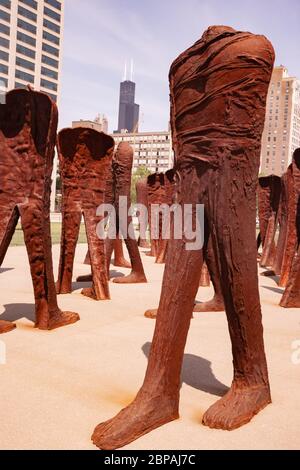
100,36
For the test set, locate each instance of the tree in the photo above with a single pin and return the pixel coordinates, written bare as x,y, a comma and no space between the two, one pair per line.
141,172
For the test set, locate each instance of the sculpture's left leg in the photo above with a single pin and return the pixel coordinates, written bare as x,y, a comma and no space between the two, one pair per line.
232,211
36,227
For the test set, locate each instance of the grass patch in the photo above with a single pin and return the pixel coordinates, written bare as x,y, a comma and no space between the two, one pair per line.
18,238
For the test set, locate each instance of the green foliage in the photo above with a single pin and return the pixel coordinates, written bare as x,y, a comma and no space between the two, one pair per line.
141,172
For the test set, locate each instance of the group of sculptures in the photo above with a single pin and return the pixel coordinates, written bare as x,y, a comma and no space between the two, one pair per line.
218,90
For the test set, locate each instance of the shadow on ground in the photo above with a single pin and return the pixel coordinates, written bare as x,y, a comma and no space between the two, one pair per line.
197,373
14,312
277,290
4,270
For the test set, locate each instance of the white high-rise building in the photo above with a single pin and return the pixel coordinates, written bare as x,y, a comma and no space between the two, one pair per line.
31,34
281,135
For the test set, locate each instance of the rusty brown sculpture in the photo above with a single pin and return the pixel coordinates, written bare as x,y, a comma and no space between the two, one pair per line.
118,186
85,157
28,124
269,190
291,296
283,225
142,200
218,95
156,195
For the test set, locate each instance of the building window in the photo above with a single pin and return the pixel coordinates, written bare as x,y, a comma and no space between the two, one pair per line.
4,56
30,3
54,3
4,16
49,85
20,85
3,69
4,80
27,39
4,29
51,37
50,50
26,64
27,26
5,3
49,73
4,42
25,51
54,27
49,61
52,14
24,76
27,14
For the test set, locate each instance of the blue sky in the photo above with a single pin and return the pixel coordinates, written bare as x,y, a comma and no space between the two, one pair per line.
101,34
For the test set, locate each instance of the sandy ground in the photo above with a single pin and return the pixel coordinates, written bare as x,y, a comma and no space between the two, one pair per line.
57,386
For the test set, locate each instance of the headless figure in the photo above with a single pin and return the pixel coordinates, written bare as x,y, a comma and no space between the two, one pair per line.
156,196
218,95
85,156
283,225
269,189
291,296
120,187
28,124
142,199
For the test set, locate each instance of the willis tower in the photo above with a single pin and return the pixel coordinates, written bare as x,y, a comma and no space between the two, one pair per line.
128,110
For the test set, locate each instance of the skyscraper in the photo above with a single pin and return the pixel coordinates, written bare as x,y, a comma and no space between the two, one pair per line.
128,109
30,40
282,127
31,34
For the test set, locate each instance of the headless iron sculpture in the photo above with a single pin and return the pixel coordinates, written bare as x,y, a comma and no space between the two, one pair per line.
28,124
218,95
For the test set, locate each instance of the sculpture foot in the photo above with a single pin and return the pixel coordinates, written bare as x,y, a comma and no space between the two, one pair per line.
6,326
59,320
144,244
62,288
213,305
89,292
122,263
86,278
139,418
237,407
133,278
151,313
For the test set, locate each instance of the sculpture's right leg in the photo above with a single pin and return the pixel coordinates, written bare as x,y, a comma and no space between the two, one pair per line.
119,259
9,220
70,232
157,401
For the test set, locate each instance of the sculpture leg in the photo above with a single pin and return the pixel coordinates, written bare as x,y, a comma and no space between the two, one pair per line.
119,260
157,401
216,304
9,220
70,232
291,296
36,227
232,211
100,288
137,274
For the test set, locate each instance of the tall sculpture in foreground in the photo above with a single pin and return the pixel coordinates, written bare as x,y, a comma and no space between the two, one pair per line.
85,157
118,186
28,123
218,95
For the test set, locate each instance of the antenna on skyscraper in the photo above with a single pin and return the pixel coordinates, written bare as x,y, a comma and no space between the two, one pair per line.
125,72
131,71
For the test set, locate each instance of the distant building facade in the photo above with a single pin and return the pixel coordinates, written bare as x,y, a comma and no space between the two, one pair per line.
100,124
282,125
151,149
128,110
